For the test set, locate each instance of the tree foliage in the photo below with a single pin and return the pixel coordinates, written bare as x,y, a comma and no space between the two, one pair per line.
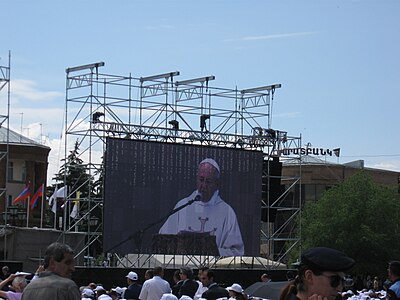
359,218
74,172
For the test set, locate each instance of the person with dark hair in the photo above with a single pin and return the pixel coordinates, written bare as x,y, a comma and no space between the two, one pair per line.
214,290
177,283
5,273
394,276
154,288
320,275
189,286
148,274
201,275
55,282
209,214
265,278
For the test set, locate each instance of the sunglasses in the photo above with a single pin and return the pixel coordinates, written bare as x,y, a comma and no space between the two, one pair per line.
335,280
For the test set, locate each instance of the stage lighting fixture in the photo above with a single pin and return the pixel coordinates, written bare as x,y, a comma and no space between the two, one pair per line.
258,131
203,125
240,142
282,136
271,133
175,124
96,117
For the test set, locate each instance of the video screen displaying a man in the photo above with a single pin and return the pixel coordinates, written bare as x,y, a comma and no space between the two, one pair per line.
208,214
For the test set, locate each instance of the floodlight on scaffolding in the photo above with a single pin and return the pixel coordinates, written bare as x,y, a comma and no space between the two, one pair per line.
205,79
84,67
262,88
160,76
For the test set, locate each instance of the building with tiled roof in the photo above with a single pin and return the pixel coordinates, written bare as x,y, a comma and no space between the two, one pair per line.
27,163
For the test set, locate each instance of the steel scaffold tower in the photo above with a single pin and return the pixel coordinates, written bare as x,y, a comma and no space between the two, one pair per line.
5,123
159,108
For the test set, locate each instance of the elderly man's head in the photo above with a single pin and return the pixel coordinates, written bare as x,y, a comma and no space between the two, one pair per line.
59,258
207,178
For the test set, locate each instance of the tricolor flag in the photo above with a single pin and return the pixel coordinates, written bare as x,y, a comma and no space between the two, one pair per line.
39,193
24,194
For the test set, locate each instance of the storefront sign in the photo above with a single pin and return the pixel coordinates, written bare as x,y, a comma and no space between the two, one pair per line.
310,151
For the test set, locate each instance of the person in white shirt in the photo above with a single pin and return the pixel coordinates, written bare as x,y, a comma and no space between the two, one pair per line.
154,288
210,214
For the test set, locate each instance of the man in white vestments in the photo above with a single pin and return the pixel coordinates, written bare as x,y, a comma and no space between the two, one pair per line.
210,214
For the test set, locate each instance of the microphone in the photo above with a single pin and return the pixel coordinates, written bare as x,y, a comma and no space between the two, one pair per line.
198,197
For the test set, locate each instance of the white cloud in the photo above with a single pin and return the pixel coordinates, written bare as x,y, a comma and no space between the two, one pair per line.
51,120
270,36
393,165
23,90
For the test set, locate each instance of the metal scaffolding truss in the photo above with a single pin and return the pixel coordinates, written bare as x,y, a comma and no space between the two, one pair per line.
4,122
161,108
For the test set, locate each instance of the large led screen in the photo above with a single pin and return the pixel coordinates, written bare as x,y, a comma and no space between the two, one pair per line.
168,198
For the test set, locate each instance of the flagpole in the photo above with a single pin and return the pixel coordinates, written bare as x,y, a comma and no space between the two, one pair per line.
27,211
55,211
42,208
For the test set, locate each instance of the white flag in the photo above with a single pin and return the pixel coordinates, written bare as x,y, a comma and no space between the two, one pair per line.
62,192
75,210
53,201
58,193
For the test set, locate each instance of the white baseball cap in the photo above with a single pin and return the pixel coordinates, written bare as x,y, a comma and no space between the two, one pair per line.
236,288
87,292
132,276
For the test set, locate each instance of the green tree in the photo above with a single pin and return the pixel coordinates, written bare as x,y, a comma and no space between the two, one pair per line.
358,217
98,184
75,173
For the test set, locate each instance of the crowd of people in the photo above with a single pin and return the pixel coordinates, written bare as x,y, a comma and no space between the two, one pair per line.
320,276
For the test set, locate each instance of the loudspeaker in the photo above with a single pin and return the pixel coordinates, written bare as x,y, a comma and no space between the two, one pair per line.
271,181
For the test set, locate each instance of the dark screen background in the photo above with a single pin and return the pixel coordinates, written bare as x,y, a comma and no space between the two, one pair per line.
144,180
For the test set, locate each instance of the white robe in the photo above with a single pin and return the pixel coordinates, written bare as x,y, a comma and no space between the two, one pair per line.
214,216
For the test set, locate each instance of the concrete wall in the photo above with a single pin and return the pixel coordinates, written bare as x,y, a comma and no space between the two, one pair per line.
29,244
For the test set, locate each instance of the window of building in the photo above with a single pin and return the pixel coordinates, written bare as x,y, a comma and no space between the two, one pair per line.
23,171
10,171
309,193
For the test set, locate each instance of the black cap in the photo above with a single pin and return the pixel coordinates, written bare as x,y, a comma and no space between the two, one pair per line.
326,259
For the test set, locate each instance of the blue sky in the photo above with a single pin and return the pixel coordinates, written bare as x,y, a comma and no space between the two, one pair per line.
338,61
